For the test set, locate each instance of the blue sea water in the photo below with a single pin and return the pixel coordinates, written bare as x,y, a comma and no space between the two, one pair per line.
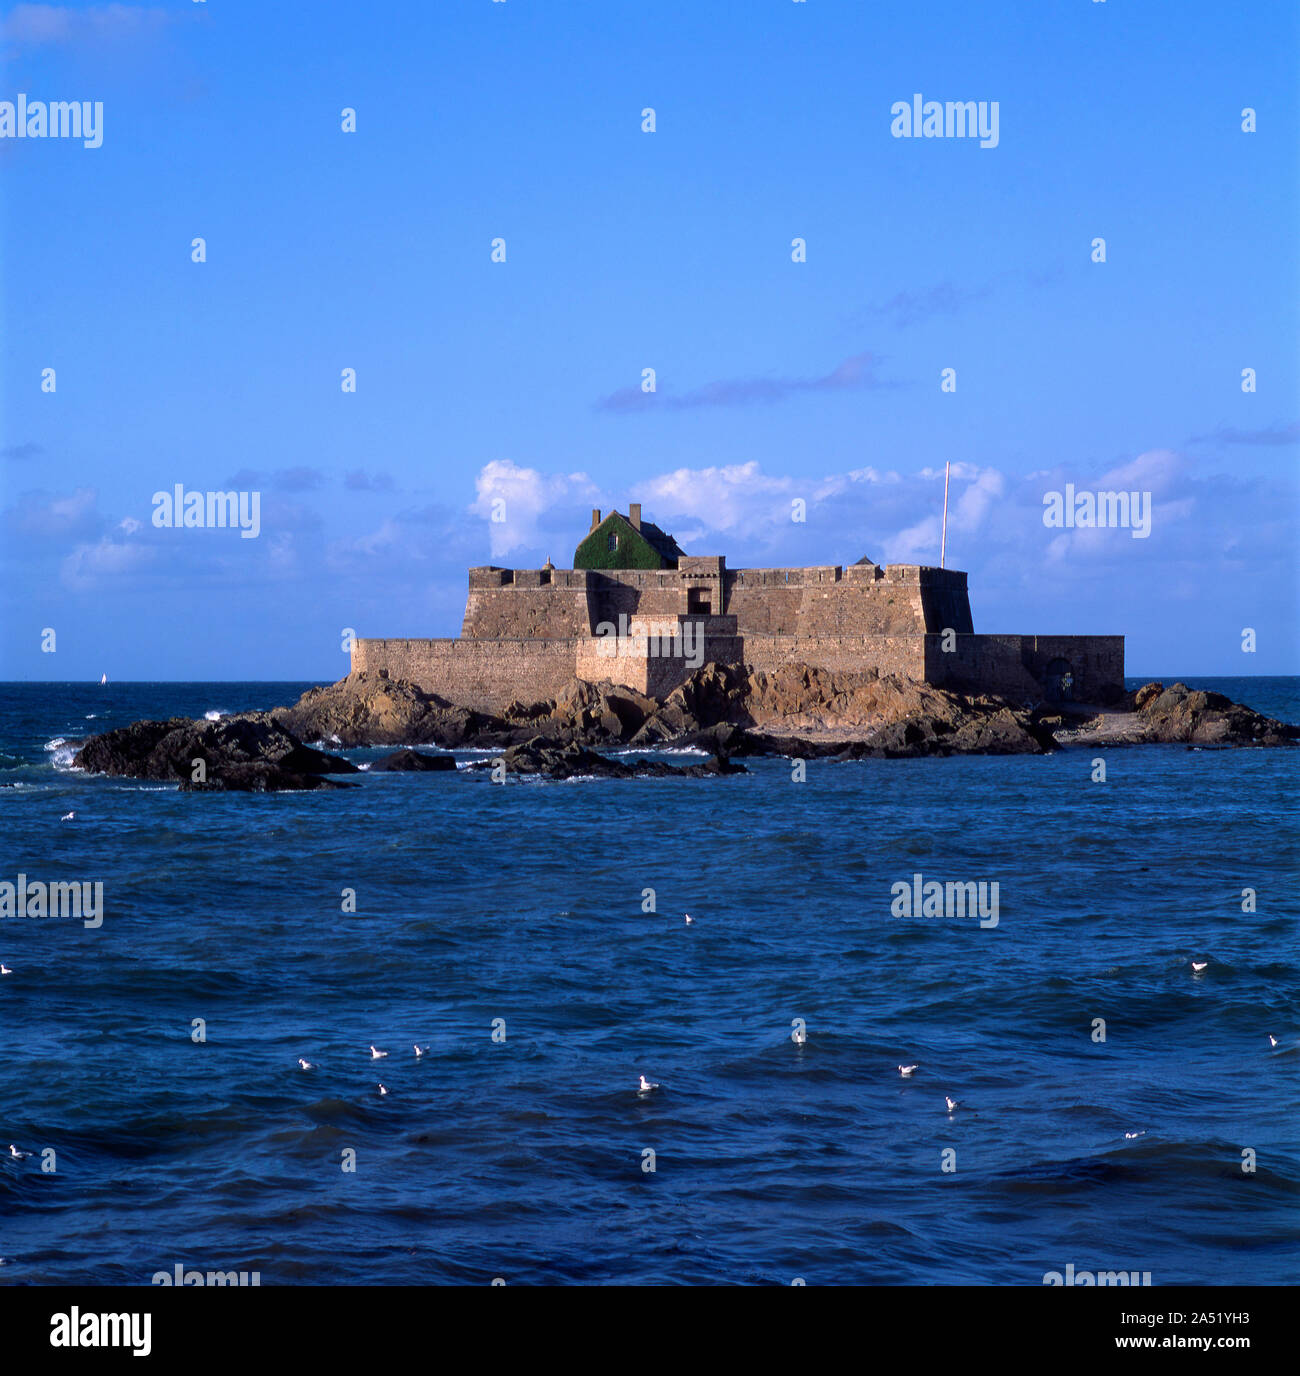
524,1158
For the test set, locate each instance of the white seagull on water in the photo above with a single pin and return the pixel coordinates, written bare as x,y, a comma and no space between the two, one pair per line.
383,1089
419,1051
646,1086
1272,1040
5,970
1198,966
306,1065
377,1055
68,817
16,1154
906,1070
950,1101
690,921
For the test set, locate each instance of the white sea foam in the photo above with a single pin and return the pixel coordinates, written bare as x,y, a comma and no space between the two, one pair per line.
667,750
216,714
62,752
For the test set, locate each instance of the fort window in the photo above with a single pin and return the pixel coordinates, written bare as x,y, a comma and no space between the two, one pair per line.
697,600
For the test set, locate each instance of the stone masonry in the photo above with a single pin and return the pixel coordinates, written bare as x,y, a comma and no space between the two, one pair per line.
528,632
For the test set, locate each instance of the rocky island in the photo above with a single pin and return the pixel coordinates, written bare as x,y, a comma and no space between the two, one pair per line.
640,646
726,711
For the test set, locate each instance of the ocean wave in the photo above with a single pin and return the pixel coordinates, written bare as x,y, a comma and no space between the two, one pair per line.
216,714
665,750
62,750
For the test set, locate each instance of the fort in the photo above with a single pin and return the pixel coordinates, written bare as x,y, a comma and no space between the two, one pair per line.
637,610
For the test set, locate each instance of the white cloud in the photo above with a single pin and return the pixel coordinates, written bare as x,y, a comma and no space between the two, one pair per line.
723,498
528,496
33,25
88,565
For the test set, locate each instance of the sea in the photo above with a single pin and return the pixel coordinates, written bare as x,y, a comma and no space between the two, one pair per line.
1118,1109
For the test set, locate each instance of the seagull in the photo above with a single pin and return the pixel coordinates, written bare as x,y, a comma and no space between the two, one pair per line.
646,1086
1272,1040
383,1089
906,1070
798,1036
419,1051
1198,966
377,1055
306,1065
690,921
68,817
5,970
16,1154
1128,1136
950,1101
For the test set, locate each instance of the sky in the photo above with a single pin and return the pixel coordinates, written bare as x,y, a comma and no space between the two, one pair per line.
515,388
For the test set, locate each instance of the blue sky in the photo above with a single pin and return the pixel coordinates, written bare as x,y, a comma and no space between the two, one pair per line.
626,250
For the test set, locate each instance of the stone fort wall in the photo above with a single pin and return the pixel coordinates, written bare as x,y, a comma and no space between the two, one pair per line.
488,675
528,632
862,599
1021,666
483,674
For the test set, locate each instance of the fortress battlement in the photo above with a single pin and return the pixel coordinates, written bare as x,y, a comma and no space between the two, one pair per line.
527,632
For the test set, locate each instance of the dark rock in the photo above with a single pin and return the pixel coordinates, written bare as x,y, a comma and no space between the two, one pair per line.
259,777
541,756
795,710
412,762
369,710
168,750
1181,715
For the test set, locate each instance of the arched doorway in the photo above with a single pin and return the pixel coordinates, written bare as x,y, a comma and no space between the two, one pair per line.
1058,682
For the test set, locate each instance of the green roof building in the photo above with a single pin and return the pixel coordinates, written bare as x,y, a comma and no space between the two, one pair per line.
626,542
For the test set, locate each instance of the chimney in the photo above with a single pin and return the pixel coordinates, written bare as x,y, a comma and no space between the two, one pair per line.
595,518
634,515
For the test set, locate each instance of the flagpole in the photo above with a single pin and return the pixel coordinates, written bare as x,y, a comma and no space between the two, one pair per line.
943,547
